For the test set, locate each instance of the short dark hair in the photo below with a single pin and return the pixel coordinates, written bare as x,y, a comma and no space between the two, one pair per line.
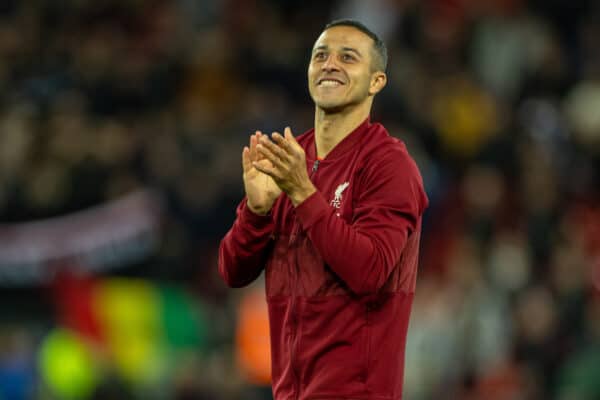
380,50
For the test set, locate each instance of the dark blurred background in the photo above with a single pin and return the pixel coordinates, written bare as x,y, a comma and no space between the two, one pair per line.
121,129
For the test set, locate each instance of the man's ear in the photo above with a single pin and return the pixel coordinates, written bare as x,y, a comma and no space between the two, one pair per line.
378,81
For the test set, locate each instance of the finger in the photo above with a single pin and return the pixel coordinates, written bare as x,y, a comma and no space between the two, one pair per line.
258,156
252,149
246,162
287,132
293,143
282,142
269,155
267,168
254,139
273,147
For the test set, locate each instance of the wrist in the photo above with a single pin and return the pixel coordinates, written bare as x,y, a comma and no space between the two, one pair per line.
298,196
257,210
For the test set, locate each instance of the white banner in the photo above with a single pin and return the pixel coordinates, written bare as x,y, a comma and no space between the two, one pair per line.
107,236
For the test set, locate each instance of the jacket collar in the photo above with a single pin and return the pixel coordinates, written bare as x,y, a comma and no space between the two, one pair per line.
342,147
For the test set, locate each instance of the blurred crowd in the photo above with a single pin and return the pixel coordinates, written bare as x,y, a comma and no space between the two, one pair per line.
497,100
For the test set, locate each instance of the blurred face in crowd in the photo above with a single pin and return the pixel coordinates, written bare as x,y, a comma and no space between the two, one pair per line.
341,72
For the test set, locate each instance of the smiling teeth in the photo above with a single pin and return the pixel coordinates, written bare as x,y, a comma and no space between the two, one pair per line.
329,83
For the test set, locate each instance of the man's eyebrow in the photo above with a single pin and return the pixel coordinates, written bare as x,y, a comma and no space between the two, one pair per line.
352,49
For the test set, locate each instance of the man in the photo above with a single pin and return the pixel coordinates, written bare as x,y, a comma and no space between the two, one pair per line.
334,219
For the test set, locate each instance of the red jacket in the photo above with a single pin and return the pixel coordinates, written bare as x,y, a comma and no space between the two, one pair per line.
340,269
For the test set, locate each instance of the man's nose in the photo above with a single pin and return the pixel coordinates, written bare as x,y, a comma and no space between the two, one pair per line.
330,64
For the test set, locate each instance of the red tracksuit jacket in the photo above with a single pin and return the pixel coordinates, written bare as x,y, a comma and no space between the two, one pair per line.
340,269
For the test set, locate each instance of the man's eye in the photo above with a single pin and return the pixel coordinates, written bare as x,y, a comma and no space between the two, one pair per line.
319,56
348,57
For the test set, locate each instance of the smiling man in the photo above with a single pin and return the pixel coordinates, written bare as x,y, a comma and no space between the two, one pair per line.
334,219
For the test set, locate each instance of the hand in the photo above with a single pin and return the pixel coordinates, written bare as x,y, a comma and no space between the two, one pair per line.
286,165
261,190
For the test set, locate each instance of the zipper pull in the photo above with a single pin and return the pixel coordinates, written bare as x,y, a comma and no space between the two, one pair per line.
315,165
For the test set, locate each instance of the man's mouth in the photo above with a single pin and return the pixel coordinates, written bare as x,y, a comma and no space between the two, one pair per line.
329,82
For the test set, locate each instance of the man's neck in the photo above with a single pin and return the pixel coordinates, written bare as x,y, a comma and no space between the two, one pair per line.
332,128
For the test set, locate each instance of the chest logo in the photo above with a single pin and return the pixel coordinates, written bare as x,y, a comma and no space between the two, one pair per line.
337,198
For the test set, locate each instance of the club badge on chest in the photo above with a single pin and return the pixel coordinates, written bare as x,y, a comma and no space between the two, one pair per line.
337,198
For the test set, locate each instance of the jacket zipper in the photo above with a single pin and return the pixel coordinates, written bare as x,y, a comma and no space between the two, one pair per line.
295,320
315,167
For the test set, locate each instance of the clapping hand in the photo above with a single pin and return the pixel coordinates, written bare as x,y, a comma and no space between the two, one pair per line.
261,189
284,161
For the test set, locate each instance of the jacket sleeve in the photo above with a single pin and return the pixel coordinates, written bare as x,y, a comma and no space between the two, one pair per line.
244,249
387,209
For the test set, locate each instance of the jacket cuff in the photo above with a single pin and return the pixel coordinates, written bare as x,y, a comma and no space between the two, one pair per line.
256,221
312,209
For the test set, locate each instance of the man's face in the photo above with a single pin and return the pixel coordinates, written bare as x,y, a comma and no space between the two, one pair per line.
340,70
